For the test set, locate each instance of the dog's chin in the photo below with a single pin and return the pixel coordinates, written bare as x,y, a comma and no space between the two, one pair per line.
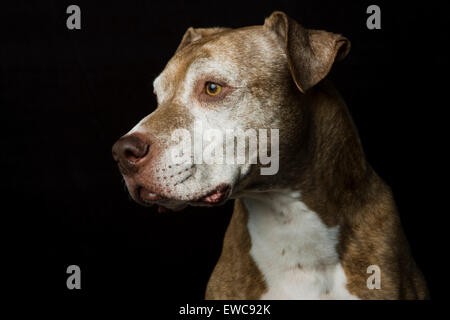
215,197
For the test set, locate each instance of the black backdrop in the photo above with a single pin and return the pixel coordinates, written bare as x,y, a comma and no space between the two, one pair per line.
66,96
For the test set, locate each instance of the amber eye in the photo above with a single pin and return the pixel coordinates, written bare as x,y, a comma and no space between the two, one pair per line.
212,89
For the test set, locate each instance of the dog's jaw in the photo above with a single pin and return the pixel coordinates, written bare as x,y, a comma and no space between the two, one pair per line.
217,196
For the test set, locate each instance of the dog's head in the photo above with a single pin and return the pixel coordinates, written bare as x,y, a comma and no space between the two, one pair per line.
221,85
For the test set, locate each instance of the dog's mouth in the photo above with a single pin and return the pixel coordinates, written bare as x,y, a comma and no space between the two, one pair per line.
218,196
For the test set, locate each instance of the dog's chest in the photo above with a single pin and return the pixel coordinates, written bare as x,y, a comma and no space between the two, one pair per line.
294,250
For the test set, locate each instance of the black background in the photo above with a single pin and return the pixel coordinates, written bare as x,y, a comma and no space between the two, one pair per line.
67,95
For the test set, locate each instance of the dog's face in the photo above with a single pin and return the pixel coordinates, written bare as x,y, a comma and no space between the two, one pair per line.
218,82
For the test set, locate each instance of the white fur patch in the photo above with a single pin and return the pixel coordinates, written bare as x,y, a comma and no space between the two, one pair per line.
294,249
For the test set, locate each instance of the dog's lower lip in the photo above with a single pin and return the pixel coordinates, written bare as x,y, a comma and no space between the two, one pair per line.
214,197
218,195
149,196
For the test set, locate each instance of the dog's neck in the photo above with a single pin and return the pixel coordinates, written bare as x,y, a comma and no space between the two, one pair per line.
335,178
295,230
329,173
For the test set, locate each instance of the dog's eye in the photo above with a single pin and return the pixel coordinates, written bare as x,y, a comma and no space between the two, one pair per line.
212,89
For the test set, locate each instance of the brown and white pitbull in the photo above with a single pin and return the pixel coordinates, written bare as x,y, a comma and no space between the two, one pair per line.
313,229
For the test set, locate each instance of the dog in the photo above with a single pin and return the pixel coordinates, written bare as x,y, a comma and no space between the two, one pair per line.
325,225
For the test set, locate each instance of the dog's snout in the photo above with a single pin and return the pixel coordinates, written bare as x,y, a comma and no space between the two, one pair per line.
128,151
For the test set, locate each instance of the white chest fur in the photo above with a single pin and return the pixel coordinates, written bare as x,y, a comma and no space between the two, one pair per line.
294,249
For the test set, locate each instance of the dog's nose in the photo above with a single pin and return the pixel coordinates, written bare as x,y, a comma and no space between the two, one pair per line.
129,150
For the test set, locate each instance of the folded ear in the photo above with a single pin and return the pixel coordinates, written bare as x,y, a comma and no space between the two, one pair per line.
310,53
192,35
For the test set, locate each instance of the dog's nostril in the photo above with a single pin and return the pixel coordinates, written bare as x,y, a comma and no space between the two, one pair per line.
130,155
129,150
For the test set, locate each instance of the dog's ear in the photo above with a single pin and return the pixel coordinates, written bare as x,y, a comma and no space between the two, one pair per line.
310,53
192,35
